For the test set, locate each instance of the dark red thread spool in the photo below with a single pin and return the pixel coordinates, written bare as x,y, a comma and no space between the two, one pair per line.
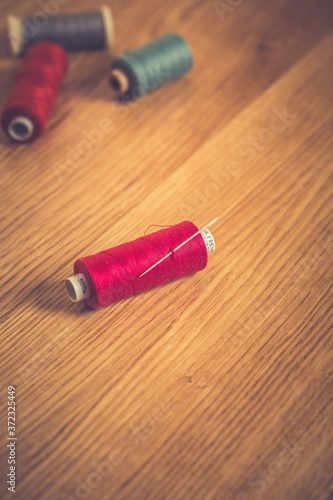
115,274
34,91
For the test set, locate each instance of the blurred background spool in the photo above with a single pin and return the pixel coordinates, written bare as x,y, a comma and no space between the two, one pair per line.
140,71
34,91
90,30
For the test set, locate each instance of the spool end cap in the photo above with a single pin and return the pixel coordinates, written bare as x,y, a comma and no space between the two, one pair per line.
119,82
77,287
20,128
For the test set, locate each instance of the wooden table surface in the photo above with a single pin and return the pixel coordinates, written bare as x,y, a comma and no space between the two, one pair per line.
217,386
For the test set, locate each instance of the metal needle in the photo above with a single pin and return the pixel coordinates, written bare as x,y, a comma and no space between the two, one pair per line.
178,247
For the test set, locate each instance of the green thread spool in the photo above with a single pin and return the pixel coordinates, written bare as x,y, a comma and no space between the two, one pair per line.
147,68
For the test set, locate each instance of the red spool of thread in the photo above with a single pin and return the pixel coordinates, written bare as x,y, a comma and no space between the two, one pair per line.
116,274
34,91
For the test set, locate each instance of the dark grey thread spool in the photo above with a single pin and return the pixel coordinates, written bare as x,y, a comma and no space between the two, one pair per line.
140,71
90,30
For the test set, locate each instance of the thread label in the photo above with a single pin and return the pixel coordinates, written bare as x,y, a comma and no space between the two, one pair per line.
82,283
77,287
209,240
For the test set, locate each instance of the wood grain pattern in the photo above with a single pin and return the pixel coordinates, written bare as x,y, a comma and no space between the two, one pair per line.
217,386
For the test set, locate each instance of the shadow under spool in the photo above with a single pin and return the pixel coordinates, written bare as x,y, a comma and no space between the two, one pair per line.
90,30
140,71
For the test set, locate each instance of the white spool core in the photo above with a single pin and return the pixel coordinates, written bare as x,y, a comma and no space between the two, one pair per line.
15,34
119,82
108,25
77,287
21,128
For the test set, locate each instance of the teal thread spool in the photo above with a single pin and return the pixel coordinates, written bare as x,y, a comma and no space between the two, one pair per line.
147,68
